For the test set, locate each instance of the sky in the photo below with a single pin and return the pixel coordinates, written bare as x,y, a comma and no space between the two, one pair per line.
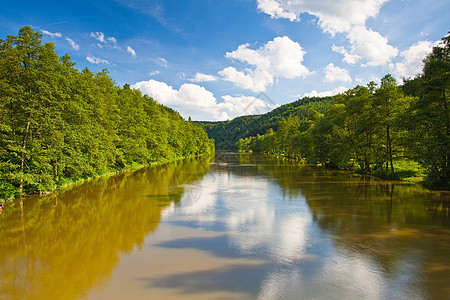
216,60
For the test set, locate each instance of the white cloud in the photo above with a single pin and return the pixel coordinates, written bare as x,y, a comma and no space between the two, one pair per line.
255,80
153,73
96,60
350,58
56,34
281,58
370,45
245,105
74,45
340,16
162,62
131,51
199,103
99,36
104,42
333,92
334,15
200,77
275,10
112,40
334,73
411,64
181,75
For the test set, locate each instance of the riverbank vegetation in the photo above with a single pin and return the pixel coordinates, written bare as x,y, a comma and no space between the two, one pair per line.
389,130
59,125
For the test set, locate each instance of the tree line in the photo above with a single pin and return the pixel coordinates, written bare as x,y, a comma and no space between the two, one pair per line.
371,128
59,124
227,133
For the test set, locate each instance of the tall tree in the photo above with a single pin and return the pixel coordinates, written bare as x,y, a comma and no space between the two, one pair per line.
388,98
430,115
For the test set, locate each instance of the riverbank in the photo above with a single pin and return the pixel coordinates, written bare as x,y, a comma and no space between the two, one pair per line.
406,171
67,183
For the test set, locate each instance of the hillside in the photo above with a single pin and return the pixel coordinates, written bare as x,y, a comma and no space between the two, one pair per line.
227,133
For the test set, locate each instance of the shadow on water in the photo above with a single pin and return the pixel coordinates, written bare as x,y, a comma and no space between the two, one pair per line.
237,278
58,246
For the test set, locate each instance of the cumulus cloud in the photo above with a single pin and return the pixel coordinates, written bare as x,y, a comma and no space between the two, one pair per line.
131,51
190,100
199,103
350,58
370,45
96,60
340,16
334,15
333,92
200,77
255,80
334,73
245,105
281,58
412,57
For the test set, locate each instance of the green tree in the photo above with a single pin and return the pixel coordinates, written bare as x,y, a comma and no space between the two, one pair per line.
58,124
430,115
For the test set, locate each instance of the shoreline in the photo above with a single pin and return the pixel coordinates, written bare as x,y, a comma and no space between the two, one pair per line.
73,184
401,181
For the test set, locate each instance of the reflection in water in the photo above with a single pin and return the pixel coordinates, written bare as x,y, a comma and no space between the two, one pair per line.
248,226
59,246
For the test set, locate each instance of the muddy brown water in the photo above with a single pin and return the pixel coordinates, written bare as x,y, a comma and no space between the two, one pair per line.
242,226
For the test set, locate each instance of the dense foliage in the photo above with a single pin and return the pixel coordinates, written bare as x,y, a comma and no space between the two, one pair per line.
227,133
59,124
371,128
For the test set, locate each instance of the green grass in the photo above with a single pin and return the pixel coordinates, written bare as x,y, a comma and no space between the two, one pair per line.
405,170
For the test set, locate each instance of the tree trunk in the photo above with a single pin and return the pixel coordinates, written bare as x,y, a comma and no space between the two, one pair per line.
22,160
389,145
56,170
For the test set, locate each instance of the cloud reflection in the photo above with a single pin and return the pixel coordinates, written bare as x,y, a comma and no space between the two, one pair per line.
258,222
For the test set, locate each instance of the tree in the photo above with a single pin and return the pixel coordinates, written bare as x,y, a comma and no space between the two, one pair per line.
388,106
430,115
58,124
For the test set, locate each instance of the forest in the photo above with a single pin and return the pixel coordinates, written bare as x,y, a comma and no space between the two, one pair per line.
59,125
374,129
227,133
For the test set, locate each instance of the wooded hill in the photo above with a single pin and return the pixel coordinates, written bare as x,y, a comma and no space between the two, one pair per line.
226,134
59,124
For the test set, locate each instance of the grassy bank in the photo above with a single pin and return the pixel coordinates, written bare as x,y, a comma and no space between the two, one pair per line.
68,183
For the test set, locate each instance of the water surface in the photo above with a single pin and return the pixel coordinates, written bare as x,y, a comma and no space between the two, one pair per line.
242,227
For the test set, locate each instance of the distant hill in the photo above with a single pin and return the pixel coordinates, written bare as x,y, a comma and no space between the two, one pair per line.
227,133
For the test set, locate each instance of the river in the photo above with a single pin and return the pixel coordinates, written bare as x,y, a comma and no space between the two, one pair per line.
242,226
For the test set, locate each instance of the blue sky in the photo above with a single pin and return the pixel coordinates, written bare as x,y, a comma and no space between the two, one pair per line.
215,60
